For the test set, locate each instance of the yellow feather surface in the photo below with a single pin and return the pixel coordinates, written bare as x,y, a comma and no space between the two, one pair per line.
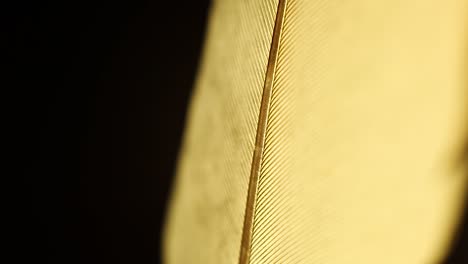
366,120
207,210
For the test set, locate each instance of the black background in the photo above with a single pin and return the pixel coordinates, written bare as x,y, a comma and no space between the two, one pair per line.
100,91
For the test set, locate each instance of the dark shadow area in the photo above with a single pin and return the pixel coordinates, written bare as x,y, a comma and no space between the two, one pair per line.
458,253
100,91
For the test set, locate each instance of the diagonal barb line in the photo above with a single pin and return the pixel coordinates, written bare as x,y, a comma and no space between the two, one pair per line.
260,137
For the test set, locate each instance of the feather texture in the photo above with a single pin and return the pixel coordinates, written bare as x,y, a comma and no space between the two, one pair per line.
365,121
